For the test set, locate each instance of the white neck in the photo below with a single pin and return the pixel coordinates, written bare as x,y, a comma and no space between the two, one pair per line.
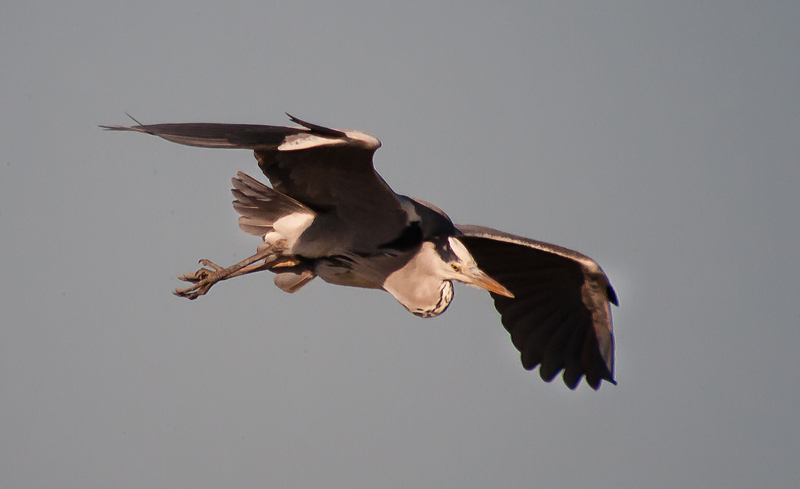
418,286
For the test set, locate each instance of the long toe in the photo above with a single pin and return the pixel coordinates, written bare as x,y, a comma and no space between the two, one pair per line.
197,276
193,292
208,263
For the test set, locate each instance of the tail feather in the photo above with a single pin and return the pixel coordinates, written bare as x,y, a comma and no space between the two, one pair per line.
260,206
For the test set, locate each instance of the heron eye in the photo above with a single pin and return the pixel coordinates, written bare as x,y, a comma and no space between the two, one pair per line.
456,268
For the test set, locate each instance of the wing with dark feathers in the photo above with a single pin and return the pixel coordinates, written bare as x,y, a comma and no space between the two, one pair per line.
226,136
560,316
326,169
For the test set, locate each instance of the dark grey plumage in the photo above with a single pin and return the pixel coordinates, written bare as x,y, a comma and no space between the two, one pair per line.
329,214
560,316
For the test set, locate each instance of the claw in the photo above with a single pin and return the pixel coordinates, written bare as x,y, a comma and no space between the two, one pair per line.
208,263
195,277
204,278
193,292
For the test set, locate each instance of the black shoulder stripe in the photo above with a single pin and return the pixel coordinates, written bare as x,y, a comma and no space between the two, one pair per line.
410,238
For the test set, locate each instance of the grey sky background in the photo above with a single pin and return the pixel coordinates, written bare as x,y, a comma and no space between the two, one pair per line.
660,138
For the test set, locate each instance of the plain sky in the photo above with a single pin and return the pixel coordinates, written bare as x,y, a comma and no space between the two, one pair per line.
660,138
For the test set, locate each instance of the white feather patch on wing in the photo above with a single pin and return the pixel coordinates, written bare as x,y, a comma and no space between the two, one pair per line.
300,141
369,141
289,227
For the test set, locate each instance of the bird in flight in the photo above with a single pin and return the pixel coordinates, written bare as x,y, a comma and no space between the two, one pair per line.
329,214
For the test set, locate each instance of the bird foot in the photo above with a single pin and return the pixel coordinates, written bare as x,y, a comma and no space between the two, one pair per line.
202,279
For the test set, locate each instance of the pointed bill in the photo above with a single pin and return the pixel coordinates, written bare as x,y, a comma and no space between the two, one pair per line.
479,279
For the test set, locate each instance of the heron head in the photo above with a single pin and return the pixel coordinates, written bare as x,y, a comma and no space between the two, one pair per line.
459,265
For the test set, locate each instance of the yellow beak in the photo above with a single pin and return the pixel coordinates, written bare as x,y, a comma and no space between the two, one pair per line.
478,278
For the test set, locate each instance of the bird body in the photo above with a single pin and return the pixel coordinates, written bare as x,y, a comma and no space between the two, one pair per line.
328,214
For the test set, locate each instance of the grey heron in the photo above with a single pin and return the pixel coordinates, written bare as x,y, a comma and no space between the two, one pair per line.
329,214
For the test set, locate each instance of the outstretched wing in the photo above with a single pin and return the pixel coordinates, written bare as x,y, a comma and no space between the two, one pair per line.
560,316
328,170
